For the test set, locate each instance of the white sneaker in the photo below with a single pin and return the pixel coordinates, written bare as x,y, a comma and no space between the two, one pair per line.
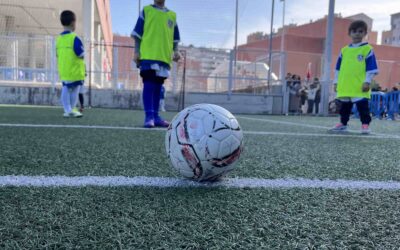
76,114
66,115
365,130
339,128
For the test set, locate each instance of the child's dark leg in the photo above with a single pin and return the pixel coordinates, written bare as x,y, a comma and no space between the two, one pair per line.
363,110
310,106
81,100
345,111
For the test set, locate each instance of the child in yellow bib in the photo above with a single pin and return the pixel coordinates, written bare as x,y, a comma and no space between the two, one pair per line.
70,62
355,69
156,37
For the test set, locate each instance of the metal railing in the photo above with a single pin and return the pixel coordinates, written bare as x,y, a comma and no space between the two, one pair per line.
385,103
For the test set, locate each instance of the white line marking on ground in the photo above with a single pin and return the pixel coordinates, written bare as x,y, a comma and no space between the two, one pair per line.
77,126
283,122
359,135
314,126
382,136
165,182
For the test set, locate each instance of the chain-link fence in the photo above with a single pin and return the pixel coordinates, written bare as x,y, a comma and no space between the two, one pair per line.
27,59
32,60
214,59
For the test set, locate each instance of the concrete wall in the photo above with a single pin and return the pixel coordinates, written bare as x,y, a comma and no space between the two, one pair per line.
238,103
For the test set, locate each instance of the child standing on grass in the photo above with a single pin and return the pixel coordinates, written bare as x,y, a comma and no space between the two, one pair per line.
355,69
71,66
156,37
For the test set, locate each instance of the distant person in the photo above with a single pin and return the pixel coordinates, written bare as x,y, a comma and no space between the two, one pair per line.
317,100
355,69
302,93
294,88
311,97
156,37
71,66
288,79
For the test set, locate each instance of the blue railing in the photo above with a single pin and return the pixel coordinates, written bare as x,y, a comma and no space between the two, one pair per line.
25,74
383,103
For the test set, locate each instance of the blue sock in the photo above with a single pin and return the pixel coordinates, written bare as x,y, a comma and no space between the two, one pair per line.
156,100
148,99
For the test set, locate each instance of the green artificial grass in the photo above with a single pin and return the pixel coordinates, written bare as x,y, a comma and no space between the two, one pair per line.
134,118
53,115
377,126
75,152
187,218
136,218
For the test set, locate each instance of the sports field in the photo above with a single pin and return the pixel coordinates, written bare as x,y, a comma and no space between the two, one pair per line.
102,182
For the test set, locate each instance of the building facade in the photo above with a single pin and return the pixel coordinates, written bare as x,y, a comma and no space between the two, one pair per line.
304,45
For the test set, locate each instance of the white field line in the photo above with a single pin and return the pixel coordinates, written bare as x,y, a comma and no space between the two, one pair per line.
76,126
360,136
375,136
165,182
283,122
312,126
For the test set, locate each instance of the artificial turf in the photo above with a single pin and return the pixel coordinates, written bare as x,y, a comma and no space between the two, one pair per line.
137,218
186,218
75,152
130,118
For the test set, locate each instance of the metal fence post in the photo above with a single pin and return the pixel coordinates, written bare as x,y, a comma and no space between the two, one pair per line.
328,59
230,76
53,60
15,59
285,93
174,77
115,67
90,74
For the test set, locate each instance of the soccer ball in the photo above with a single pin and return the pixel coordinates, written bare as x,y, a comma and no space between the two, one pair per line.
203,142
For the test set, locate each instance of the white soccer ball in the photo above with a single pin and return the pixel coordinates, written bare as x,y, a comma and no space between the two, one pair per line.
203,142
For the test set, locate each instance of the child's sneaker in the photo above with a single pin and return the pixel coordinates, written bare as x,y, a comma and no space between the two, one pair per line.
339,128
159,122
75,114
365,129
66,115
149,123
